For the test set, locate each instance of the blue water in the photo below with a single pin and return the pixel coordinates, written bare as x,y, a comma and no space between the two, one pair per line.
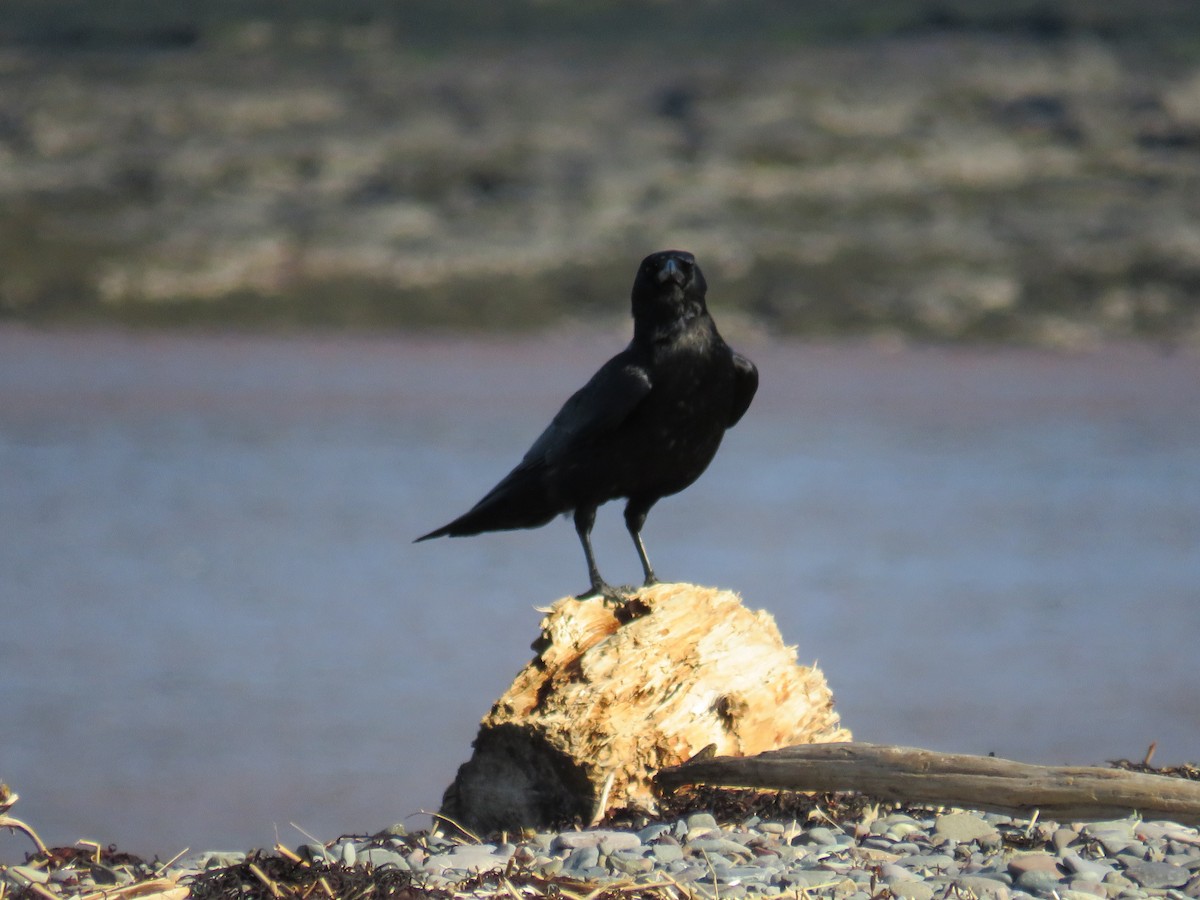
214,623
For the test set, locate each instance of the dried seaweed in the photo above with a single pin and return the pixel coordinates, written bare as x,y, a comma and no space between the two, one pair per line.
1188,771
274,877
730,805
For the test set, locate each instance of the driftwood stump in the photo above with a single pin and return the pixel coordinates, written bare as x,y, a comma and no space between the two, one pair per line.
615,694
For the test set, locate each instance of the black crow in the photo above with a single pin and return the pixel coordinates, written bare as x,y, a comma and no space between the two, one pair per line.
646,425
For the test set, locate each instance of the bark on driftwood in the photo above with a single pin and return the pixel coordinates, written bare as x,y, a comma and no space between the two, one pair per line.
615,694
909,775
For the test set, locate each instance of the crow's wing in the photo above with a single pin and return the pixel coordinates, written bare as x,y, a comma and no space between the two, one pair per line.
598,407
745,383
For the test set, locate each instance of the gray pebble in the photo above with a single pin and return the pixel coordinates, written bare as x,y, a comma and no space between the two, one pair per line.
624,843
1033,862
820,835
631,865
809,878
964,827
616,840
983,886
667,853
911,890
928,861
1157,875
741,874
472,858
1038,881
585,857
312,852
878,843
722,846
1087,867
1118,881
892,873
1113,836
548,866
650,832
1063,838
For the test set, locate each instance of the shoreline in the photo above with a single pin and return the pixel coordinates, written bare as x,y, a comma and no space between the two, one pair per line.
910,853
710,844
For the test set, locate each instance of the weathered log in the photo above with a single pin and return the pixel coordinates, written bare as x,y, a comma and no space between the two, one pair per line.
617,693
910,775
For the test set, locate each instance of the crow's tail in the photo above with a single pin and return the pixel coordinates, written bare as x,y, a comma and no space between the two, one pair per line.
519,501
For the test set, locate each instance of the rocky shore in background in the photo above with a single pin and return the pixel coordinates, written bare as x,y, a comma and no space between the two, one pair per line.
868,852
1036,184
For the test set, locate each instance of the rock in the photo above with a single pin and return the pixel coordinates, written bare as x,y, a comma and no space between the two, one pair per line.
926,861
723,846
585,857
911,890
470,858
314,852
615,840
1086,867
963,827
1114,836
893,873
667,853
983,886
1038,881
1063,838
1033,862
650,832
1157,875
821,836
631,865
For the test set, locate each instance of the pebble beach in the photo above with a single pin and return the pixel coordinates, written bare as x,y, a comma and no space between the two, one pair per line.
879,852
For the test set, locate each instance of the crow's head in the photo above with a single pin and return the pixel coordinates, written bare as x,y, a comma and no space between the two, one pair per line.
669,286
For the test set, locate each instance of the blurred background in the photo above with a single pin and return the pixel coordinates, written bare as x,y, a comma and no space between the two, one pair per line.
284,285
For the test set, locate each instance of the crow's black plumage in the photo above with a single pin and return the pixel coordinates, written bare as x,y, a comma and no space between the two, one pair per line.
645,426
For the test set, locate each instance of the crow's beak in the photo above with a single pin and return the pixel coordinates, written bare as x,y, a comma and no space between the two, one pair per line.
671,271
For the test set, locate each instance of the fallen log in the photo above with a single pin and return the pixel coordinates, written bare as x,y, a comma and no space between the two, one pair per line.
614,694
911,775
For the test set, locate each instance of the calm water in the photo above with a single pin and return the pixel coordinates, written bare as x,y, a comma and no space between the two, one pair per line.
215,624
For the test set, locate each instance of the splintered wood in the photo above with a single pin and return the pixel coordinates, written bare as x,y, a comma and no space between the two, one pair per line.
615,694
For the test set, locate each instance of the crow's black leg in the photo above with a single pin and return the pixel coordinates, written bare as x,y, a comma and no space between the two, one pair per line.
635,518
585,518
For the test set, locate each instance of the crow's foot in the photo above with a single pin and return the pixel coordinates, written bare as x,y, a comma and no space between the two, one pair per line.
612,596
